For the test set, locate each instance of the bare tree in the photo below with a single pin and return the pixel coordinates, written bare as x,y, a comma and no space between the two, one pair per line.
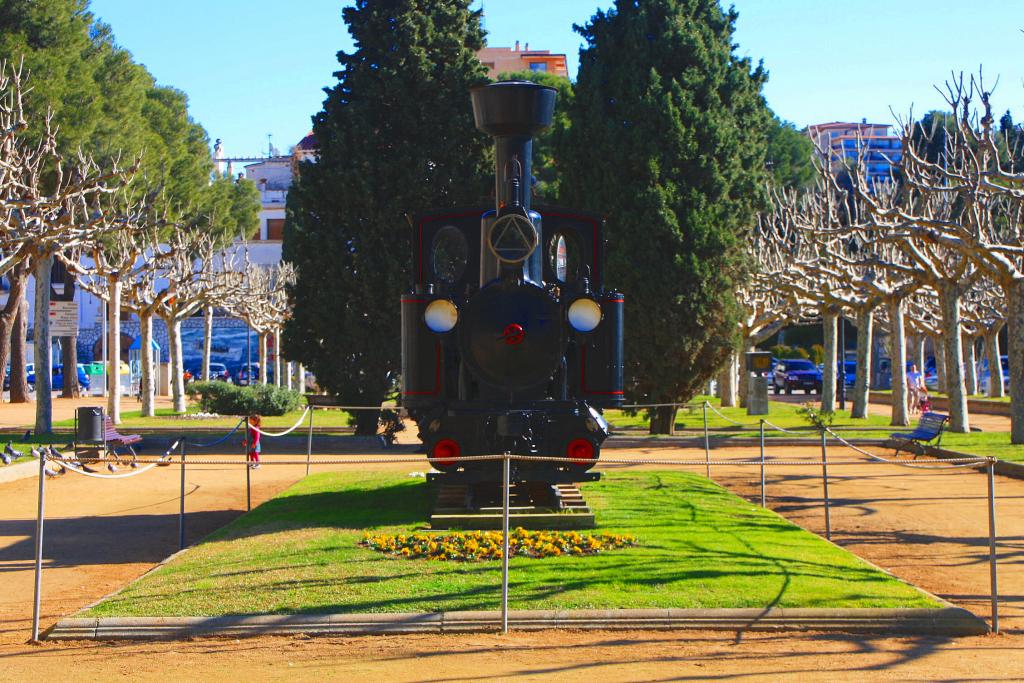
262,302
47,204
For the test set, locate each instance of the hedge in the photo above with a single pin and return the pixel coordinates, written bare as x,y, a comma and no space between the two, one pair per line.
224,398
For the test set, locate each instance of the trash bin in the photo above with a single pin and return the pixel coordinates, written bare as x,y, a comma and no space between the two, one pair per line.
89,425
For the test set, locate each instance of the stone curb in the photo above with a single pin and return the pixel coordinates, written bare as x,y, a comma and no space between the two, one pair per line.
979,406
946,621
1014,470
22,470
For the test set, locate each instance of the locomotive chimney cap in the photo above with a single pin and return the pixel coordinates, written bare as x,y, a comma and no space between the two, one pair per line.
513,108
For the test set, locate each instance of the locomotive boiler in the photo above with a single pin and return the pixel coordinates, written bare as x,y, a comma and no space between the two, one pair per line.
511,340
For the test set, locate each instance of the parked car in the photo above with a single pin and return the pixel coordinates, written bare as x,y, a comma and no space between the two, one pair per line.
218,372
850,372
796,373
57,377
29,368
244,373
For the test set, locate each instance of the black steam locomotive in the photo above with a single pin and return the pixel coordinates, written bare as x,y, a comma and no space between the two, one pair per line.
510,340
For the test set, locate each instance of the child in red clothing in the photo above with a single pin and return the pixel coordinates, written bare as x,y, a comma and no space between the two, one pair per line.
254,441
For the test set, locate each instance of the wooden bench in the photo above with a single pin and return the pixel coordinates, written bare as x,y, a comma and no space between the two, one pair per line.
115,439
929,428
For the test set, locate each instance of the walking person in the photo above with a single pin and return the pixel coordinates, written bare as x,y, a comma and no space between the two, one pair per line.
914,386
253,425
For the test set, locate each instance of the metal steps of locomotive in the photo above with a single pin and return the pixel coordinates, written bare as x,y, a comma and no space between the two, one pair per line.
566,509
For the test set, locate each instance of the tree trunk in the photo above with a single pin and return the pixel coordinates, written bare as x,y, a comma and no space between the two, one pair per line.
995,365
300,377
366,422
177,365
744,376
114,349
970,366
289,373
940,364
1014,294
897,357
69,359
920,360
277,357
19,355
207,342
830,319
956,390
727,381
663,420
147,383
862,382
69,354
264,369
43,351
18,279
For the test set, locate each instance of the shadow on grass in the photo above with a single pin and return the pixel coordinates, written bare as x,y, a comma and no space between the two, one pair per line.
353,507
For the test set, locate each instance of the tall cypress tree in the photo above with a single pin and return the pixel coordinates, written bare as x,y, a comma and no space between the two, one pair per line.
396,136
668,139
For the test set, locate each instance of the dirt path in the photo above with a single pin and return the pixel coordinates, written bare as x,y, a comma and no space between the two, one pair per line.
926,527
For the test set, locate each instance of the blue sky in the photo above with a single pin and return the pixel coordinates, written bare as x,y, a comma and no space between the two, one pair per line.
253,67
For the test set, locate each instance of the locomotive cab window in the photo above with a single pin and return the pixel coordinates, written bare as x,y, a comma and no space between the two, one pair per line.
564,257
449,254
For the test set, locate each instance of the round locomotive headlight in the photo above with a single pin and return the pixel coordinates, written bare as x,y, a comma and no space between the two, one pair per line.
441,315
584,314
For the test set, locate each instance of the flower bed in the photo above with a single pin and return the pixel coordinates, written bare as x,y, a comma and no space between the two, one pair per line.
472,546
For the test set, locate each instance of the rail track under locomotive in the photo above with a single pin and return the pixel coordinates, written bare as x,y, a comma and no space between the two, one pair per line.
511,342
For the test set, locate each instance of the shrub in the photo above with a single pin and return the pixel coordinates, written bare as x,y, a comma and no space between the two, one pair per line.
818,354
229,399
783,352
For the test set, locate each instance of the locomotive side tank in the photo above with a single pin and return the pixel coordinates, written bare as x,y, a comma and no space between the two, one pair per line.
510,341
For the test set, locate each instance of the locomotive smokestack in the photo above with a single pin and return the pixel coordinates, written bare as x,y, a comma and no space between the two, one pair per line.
513,112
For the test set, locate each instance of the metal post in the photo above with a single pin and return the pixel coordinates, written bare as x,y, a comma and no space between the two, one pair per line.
824,480
505,477
248,470
309,439
181,509
762,463
842,360
707,448
993,578
248,487
39,546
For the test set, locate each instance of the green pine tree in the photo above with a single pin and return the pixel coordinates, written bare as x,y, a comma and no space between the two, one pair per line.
668,139
396,136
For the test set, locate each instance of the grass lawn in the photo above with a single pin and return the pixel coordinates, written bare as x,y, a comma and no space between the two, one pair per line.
166,417
700,546
782,414
994,444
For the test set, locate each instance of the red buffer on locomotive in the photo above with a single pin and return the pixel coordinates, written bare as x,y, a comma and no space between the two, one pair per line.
510,340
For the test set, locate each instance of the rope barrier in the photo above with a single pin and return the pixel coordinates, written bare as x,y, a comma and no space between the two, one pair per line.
964,462
325,407
530,458
774,426
285,432
658,405
218,441
73,466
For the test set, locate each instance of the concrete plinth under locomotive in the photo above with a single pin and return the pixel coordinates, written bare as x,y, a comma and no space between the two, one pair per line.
510,341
